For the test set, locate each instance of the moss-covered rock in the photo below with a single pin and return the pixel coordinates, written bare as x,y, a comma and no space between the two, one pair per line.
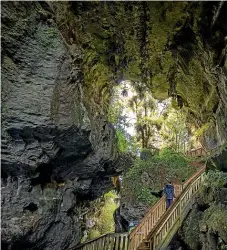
176,49
190,231
67,56
205,227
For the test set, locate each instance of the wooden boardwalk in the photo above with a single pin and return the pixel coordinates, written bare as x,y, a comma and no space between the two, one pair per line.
158,227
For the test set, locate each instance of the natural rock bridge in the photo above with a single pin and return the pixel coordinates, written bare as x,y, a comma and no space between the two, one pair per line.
158,227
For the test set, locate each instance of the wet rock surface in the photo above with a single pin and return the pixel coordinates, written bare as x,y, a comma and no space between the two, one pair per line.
36,218
131,212
54,154
121,224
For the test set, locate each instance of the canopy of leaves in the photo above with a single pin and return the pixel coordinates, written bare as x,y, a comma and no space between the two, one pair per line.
174,132
155,124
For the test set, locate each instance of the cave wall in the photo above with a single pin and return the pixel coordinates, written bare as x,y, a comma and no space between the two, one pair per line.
56,153
175,49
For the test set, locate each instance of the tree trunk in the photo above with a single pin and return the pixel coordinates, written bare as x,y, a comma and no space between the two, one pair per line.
143,138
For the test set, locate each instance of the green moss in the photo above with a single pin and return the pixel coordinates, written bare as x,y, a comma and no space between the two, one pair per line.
93,233
160,86
205,127
198,88
101,214
140,41
122,142
191,229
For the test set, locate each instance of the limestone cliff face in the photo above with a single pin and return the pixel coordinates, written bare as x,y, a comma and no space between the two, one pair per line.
175,49
55,152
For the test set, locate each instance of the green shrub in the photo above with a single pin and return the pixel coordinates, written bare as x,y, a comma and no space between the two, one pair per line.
106,220
122,143
213,182
146,153
105,223
102,215
176,164
215,179
93,233
151,174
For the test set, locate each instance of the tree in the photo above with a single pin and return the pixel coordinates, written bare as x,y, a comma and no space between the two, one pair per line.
174,131
152,173
144,107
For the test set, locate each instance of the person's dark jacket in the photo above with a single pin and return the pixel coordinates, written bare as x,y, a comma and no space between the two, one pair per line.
169,191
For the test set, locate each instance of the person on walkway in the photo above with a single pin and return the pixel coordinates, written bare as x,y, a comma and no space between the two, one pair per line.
169,193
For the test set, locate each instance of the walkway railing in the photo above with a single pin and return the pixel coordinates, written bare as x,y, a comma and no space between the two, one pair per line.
112,241
197,152
151,220
202,152
146,225
165,229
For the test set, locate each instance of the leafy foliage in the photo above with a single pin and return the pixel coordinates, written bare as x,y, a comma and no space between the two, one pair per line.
174,132
151,174
122,142
101,216
213,181
147,122
106,221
